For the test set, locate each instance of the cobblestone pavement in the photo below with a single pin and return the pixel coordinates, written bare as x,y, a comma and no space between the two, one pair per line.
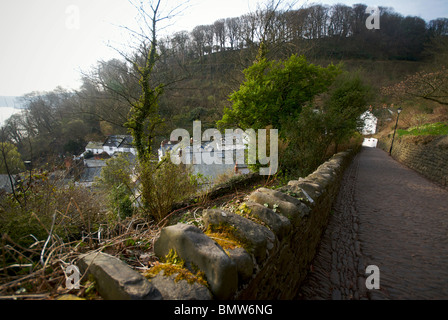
389,216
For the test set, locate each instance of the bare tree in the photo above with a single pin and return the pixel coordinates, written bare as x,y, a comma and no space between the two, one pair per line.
198,38
141,58
144,117
340,22
209,36
219,27
432,86
181,42
233,27
5,150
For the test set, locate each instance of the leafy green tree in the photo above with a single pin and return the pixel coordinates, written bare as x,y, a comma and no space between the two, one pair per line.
310,137
276,91
307,143
118,171
11,160
115,180
346,103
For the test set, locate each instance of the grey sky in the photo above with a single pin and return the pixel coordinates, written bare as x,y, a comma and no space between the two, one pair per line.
45,43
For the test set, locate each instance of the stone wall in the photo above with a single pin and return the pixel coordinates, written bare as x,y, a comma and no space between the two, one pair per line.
261,251
427,155
279,231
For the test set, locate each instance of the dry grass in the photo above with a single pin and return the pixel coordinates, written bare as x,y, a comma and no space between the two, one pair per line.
46,278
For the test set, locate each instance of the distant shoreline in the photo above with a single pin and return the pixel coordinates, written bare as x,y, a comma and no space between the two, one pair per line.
10,102
7,112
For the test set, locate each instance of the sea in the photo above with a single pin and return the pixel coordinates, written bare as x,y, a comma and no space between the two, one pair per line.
8,106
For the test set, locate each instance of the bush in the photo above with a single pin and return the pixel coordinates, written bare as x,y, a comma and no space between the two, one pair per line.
275,92
121,202
307,143
162,185
115,181
27,217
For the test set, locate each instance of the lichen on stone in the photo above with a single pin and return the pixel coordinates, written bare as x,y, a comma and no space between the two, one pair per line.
174,265
225,235
246,212
173,258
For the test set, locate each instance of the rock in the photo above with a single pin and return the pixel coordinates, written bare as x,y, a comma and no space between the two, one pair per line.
336,295
259,239
115,280
362,289
244,264
334,277
298,193
313,189
180,290
193,246
282,203
279,224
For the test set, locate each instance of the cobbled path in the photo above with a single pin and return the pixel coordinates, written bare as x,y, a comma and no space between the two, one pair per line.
389,216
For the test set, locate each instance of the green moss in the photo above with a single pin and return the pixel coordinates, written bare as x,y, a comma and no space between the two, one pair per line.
174,265
226,236
173,258
180,273
244,211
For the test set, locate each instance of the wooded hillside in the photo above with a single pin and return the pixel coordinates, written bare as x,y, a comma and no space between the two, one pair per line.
201,68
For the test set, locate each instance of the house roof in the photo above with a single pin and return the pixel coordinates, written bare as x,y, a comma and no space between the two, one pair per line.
127,142
118,141
94,145
89,174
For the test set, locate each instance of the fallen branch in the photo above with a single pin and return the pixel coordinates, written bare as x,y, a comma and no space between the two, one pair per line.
42,262
26,296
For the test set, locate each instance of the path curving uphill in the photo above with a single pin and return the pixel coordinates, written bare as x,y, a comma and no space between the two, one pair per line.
389,216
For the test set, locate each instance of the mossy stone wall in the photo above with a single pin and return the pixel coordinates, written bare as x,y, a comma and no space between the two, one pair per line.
427,155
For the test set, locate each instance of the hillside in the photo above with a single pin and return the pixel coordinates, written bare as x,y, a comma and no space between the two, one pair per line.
201,68
308,73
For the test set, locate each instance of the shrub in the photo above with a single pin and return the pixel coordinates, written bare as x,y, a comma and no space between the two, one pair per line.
116,182
162,185
121,202
308,143
276,91
28,217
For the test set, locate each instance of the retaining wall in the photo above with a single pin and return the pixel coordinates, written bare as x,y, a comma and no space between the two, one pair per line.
265,247
427,155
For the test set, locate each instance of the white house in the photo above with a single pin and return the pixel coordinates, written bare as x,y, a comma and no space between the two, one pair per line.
370,143
370,123
95,147
167,146
113,144
120,144
194,157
